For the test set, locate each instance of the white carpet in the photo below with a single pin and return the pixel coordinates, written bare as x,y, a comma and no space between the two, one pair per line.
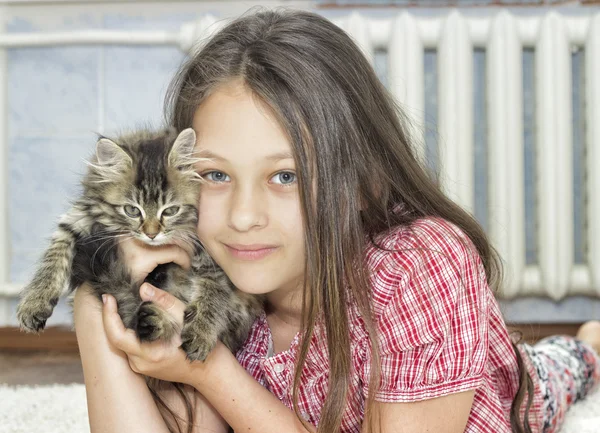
584,416
62,409
48,409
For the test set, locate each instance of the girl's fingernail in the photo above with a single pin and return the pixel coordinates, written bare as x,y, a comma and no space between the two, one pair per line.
104,298
148,290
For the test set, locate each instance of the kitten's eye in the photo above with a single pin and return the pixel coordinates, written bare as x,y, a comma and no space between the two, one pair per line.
132,211
170,211
284,178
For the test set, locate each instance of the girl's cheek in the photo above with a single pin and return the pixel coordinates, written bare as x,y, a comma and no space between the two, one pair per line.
211,215
206,203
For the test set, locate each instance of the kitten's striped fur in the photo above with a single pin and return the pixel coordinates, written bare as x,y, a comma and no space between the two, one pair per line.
150,173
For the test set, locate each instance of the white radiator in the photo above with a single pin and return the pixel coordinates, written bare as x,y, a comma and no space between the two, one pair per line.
455,36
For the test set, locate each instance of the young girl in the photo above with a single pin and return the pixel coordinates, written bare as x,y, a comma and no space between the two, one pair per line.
380,312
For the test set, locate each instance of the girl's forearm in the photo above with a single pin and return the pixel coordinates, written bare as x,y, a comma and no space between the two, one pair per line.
118,399
244,403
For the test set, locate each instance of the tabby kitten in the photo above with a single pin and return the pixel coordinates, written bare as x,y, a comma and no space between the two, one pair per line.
143,186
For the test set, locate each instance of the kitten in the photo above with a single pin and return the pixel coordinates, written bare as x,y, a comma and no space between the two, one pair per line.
143,186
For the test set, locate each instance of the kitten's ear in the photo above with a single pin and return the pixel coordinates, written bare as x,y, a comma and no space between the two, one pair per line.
110,154
183,149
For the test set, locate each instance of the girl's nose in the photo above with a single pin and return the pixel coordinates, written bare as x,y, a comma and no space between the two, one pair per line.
248,210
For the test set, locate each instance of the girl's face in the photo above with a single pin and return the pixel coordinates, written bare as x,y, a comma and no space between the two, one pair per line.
249,210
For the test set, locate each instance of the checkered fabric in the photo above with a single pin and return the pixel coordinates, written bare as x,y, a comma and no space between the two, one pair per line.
440,331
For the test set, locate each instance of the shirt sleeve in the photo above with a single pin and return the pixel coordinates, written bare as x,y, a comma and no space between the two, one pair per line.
432,321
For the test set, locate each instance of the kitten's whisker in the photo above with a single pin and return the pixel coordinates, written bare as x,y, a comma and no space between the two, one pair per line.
192,242
107,239
106,231
98,237
119,241
98,249
184,239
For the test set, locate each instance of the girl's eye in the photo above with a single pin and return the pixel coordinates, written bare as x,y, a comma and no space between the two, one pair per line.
216,176
284,178
132,211
170,211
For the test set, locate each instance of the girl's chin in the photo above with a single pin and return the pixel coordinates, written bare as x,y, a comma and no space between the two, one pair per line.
252,290
253,286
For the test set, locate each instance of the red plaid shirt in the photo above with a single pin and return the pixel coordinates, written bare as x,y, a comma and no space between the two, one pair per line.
440,332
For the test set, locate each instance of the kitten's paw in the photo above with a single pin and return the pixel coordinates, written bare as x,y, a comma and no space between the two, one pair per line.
153,323
32,313
198,336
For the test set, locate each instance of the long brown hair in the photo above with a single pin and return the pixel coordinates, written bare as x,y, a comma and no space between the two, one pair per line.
327,97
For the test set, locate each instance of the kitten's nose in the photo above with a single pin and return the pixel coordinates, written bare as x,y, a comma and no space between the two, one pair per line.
151,228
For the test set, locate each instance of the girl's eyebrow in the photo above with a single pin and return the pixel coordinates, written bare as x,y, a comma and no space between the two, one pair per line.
205,153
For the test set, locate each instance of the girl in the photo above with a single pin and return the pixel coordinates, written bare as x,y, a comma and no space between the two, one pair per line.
380,314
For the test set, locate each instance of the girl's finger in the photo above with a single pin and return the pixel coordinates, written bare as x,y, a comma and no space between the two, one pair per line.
175,254
142,258
150,257
163,299
186,246
119,336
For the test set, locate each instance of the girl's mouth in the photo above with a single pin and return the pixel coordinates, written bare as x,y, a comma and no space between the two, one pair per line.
250,252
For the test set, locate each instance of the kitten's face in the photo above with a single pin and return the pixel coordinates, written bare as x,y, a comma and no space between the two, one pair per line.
145,188
159,214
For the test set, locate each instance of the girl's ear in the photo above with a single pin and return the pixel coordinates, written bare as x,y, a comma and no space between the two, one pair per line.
183,148
110,155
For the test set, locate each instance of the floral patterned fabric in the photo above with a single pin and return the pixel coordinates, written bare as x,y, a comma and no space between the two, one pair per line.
567,369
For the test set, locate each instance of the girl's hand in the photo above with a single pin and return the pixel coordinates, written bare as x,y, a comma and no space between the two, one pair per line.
142,258
163,360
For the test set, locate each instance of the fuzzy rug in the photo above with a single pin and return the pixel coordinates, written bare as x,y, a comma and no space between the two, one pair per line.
62,409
